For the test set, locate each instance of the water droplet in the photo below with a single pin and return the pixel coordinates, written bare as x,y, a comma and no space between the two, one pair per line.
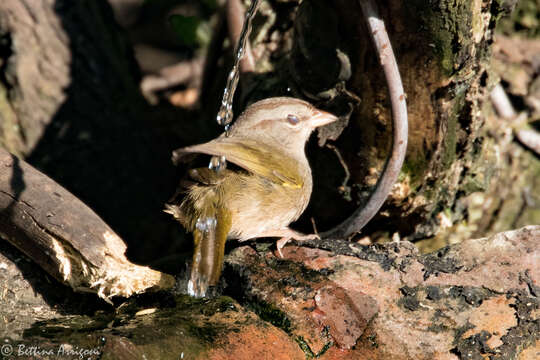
221,116
206,224
217,163
240,52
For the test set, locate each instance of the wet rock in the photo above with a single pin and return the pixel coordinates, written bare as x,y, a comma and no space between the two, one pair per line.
351,303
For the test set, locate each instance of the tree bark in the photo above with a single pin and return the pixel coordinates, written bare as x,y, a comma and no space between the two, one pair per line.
444,53
70,104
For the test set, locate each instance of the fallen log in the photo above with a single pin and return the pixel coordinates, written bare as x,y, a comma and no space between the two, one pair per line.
65,237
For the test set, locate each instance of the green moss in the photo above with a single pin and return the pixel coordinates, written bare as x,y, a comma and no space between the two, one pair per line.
208,333
450,139
441,23
218,305
179,324
414,167
472,183
271,314
307,350
66,326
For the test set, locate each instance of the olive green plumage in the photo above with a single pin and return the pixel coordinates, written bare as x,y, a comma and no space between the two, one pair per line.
270,190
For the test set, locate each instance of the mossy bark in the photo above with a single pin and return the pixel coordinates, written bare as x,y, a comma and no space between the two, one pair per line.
443,49
443,54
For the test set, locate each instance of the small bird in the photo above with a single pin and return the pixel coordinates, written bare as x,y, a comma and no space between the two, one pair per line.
269,190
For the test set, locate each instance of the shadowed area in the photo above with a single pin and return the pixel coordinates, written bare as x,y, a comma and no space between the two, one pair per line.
104,143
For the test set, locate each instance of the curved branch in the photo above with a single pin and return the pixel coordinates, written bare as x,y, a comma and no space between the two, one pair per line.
400,127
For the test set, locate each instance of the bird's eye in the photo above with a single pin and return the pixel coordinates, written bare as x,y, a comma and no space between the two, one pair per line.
292,119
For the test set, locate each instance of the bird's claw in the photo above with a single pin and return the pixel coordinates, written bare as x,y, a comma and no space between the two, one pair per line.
284,240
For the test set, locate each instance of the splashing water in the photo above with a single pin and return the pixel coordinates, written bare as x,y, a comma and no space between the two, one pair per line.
191,289
206,224
217,163
198,282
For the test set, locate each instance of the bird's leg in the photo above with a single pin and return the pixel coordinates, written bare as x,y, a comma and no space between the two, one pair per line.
286,235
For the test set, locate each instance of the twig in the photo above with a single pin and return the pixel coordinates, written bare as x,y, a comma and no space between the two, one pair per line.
344,189
314,226
502,103
173,75
400,127
528,137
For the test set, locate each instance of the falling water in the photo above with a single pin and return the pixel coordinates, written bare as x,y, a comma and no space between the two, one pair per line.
225,113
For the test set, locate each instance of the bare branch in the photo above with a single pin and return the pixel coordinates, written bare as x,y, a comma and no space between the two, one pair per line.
502,103
528,137
173,75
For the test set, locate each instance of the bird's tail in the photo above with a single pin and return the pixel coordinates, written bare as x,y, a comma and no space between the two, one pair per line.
209,236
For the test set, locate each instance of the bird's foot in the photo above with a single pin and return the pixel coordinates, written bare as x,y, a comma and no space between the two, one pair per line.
286,235
296,236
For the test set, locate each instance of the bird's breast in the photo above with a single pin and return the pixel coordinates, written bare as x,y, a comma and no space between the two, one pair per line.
258,205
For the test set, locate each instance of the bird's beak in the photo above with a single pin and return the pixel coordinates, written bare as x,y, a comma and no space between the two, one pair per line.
321,118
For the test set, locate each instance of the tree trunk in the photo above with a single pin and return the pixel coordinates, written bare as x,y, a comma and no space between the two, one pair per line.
71,105
457,155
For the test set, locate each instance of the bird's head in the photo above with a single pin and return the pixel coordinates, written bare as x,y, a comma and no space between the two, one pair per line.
281,121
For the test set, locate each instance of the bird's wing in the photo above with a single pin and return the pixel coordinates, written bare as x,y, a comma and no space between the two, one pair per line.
252,156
